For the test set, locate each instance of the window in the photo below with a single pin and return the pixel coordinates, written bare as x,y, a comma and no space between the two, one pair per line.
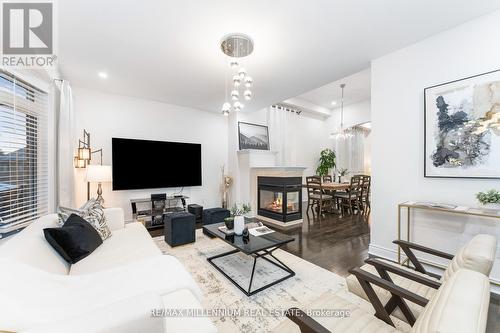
23,154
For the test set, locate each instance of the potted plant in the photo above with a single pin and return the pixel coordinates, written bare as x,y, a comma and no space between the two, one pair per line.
342,172
326,162
238,211
489,199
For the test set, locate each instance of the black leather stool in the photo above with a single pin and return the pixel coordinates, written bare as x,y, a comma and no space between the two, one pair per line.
179,228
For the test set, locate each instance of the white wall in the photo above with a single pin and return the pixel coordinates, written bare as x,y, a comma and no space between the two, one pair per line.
311,138
354,114
106,116
398,80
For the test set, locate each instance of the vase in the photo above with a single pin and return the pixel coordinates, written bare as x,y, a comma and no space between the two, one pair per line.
239,225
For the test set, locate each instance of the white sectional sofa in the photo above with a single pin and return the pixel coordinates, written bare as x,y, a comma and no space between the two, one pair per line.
114,289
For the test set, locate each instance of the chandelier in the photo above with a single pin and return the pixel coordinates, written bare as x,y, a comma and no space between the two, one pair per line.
237,47
344,133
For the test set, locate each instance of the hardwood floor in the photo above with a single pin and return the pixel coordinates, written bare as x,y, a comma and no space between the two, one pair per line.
339,243
332,242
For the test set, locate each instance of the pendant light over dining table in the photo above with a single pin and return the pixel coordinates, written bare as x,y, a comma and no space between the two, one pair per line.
237,47
343,133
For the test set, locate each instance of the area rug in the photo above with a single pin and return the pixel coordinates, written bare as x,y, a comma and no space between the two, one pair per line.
308,284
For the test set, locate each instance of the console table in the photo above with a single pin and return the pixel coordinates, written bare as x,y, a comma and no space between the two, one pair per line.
141,209
443,208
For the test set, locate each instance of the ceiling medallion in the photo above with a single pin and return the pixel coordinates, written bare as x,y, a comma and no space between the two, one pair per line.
237,47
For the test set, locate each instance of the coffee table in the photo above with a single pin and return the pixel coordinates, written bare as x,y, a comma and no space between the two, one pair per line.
254,246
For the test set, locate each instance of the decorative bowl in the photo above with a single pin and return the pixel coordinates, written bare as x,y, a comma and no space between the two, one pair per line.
229,222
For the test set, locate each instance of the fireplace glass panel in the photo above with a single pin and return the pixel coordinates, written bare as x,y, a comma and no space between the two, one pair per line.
292,202
271,200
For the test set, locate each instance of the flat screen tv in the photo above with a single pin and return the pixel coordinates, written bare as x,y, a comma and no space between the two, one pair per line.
143,164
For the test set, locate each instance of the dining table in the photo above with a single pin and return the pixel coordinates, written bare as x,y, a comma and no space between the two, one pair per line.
330,186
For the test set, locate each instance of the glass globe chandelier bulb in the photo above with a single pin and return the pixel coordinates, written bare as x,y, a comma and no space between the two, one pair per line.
236,80
247,94
242,72
235,95
233,64
225,113
238,105
226,107
248,81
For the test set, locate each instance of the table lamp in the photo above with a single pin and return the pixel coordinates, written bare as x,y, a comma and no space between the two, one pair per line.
99,174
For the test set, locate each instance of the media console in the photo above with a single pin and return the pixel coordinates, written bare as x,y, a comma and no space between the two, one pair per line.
142,209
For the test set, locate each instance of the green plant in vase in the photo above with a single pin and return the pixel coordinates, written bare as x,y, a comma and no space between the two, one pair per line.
489,199
342,172
326,162
237,212
240,209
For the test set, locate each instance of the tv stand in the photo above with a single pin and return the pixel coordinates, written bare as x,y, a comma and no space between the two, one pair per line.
142,209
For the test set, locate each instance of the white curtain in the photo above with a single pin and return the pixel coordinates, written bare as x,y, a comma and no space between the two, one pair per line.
282,128
65,147
351,152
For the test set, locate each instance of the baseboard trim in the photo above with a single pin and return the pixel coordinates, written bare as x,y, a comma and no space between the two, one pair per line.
280,225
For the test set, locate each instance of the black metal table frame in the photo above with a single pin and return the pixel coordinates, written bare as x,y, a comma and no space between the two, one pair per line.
259,254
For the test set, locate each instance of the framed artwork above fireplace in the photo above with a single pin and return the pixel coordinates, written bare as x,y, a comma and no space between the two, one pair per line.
253,136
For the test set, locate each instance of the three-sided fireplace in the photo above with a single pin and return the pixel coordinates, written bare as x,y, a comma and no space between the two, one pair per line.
280,198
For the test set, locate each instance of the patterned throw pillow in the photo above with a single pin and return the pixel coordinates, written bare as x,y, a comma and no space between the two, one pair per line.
63,213
91,212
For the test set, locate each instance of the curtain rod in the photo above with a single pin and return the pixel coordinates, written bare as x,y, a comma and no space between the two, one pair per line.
280,107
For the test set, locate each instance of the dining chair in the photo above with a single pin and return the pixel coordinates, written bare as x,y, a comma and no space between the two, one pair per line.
365,194
316,195
350,198
328,178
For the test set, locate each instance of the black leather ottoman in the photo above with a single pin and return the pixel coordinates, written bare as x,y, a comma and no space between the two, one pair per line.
179,228
214,215
197,211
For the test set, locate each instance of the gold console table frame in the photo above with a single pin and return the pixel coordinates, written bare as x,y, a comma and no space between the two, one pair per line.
409,205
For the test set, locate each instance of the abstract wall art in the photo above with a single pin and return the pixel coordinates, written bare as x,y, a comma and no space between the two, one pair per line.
462,128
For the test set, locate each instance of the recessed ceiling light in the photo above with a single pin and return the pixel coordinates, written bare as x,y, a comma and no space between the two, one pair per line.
334,103
103,75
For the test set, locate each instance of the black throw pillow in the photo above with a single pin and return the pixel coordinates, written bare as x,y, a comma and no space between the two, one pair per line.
75,240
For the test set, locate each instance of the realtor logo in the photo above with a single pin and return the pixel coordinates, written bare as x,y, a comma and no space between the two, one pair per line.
27,28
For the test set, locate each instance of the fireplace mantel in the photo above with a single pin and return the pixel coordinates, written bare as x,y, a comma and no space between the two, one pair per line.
280,168
254,163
